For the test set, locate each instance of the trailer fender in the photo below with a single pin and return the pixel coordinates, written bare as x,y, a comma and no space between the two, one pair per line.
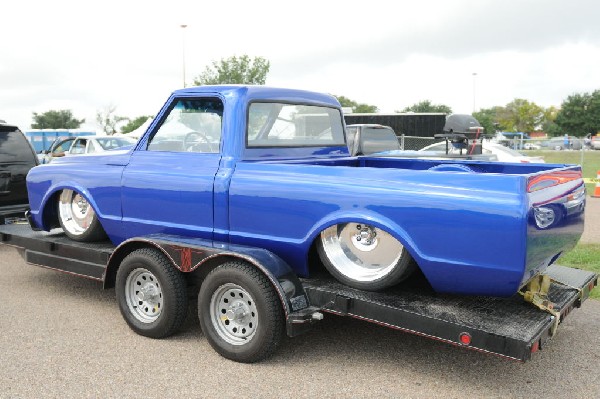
189,254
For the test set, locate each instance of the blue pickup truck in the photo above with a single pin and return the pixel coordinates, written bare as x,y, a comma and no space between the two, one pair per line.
256,187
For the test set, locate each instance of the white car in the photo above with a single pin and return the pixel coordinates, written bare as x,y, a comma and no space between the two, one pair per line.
85,145
504,154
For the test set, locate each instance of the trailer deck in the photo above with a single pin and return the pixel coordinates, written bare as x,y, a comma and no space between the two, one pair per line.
507,327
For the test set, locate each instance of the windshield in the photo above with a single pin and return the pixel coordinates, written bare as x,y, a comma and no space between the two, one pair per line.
293,125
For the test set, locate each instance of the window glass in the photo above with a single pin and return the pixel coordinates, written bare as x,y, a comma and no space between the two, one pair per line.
14,145
192,125
293,125
78,146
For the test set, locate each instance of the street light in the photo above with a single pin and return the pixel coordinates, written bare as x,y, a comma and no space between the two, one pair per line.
474,76
183,26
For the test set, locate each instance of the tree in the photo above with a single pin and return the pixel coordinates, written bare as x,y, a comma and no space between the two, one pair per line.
488,119
521,116
235,70
61,119
134,124
580,114
107,119
361,108
427,106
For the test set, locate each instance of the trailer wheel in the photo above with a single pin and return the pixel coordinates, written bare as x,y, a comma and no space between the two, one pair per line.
151,293
77,217
240,313
363,256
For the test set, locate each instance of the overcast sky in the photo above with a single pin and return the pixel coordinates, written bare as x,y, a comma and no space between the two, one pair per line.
87,55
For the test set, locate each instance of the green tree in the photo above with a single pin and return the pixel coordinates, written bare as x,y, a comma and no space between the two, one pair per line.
134,124
235,70
521,116
426,106
108,120
360,108
61,119
488,119
580,114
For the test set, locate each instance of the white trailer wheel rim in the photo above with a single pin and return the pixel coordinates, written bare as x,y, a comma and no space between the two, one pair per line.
144,296
233,314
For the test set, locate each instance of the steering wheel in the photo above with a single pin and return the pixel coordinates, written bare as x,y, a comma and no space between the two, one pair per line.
193,138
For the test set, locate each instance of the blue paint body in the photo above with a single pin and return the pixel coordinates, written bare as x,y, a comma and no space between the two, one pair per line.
471,231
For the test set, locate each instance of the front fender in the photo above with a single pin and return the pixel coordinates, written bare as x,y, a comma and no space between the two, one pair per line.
46,216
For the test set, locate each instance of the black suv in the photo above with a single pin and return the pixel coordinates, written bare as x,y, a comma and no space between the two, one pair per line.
16,158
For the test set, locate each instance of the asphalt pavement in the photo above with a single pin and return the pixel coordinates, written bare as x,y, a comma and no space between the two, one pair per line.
63,337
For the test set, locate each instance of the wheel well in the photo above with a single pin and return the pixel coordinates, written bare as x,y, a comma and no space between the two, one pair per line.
194,278
315,263
50,212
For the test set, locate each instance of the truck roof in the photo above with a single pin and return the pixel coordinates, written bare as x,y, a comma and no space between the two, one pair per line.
258,93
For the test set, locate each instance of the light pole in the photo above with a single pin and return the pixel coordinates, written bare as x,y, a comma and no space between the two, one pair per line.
183,26
474,76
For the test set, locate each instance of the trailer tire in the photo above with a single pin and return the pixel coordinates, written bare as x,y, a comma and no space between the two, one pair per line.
240,313
151,293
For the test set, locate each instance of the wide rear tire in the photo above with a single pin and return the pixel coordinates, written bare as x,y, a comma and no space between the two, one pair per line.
363,256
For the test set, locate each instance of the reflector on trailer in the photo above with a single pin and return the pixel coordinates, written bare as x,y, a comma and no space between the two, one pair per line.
465,338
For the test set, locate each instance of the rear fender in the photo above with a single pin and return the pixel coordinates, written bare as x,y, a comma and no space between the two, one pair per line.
189,254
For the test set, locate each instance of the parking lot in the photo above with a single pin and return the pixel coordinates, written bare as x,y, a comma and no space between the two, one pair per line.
63,336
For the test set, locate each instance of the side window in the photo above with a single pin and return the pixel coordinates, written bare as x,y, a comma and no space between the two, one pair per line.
78,146
62,147
192,125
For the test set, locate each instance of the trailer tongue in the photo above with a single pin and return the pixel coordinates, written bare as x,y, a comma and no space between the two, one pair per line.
508,327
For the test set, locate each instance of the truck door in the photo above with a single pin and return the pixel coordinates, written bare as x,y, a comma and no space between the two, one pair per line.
168,184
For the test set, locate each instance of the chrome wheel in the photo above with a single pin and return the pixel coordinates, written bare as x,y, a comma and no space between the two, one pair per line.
144,296
76,214
544,217
233,314
359,252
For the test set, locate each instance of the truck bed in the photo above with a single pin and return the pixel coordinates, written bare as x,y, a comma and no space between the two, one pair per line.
507,327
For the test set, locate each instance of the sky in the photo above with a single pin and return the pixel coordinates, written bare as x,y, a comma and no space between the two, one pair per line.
86,56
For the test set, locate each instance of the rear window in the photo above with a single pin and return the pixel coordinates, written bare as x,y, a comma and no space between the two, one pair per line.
14,147
294,125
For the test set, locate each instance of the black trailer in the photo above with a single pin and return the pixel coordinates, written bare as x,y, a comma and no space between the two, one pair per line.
511,328
407,124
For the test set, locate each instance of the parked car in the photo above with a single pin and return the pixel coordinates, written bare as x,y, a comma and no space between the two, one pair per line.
502,153
16,159
595,142
85,145
532,146
366,139
558,144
